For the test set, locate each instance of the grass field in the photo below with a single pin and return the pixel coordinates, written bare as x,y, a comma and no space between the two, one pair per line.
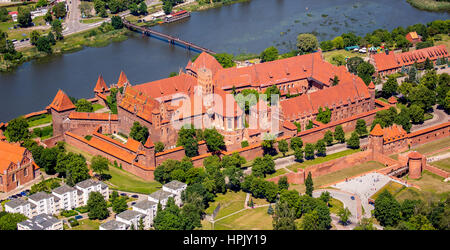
329,54
97,106
121,179
335,205
430,182
87,224
433,146
430,5
442,164
318,160
92,20
393,187
229,203
250,219
277,173
46,118
340,175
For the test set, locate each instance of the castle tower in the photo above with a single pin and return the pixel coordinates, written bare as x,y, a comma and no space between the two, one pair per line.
204,79
392,101
376,140
100,86
149,149
371,88
60,109
415,164
123,80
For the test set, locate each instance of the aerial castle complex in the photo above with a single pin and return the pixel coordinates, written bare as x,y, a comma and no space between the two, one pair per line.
306,83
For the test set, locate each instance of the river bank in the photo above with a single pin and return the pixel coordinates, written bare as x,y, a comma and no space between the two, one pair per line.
196,6
430,5
91,38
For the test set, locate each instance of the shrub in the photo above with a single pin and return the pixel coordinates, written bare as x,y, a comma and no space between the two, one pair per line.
73,222
68,213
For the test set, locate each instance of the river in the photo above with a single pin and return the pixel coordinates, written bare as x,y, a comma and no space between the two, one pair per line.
247,27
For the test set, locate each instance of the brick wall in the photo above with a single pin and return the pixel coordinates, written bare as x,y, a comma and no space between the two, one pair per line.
430,134
438,171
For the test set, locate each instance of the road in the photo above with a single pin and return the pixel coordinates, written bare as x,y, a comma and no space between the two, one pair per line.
439,116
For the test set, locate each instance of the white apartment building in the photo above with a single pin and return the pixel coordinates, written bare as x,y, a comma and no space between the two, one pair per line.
148,208
45,203
176,188
61,198
20,206
90,185
113,225
68,197
41,222
130,217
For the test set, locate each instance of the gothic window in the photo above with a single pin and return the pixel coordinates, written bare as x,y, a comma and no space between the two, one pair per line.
25,172
14,177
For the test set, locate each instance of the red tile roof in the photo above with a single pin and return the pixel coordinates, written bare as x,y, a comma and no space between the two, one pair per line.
61,102
393,133
122,80
163,89
204,60
289,125
377,130
392,100
397,60
413,37
10,154
101,85
415,155
149,143
93,116
137,102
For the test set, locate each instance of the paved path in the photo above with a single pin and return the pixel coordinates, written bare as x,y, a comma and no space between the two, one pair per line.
439,116
40,126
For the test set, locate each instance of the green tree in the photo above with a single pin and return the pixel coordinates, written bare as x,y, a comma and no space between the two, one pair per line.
214,140
97,207
226,60
328,137
168,218
119,205
338,42
269,54
321,148
324,116
339,134
307,43
57,29
298,153
365,70
139,133
284,218
283,183
417,114
59,10
17,130
99,164
283,147
51,38
325,197
344,214
387,209
141,224
365,224
353,63
296,142
83,105
361,128
309,185
309,151
24,17
159,147
116,22
34,36
8,221
310,221
271,92
353,142
44,45
390,87
143,8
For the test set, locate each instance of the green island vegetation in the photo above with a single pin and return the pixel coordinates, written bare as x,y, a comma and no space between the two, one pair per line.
430,5
200,5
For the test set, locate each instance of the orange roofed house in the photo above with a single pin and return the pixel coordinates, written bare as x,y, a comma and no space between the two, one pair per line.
17,166
390,62
413,37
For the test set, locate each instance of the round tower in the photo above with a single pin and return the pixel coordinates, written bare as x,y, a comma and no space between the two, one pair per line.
376,140
415,165
371,88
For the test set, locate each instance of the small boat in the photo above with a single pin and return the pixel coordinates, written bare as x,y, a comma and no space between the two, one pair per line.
177,16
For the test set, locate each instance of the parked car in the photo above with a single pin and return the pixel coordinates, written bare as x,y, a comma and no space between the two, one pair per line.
78,217
353,198
135,196
132,203
123,194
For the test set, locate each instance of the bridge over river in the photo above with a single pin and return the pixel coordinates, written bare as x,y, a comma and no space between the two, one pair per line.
170,39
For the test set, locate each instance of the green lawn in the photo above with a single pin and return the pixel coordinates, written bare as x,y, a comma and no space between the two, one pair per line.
430,182
433,146
229,203
393,188
97,106
335,205
442,164
250,219
124,181
92,20
329,54
42,119
277,173
87,224
318,160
